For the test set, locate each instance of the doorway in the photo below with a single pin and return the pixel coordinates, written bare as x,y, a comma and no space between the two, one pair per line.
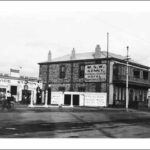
76,100
67,100
26,96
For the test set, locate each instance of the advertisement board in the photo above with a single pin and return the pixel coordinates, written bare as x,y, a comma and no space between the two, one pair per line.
95,73
57,98
96,99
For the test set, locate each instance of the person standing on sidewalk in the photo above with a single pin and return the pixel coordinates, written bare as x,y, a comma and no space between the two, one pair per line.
8,96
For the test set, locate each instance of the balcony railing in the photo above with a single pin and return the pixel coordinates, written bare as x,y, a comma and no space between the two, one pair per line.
131,79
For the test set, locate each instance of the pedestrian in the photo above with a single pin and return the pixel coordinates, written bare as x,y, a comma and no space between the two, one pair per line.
4,102
8,95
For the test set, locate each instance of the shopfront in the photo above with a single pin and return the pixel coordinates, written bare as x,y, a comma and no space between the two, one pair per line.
20,89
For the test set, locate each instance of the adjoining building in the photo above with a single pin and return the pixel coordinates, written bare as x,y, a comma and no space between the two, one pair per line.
21,87
96,72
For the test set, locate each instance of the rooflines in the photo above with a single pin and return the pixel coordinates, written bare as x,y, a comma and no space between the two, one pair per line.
110,58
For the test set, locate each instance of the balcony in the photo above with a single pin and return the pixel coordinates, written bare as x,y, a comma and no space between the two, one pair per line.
132,80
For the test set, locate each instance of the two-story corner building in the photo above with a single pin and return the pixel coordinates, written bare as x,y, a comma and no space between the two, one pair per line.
96,72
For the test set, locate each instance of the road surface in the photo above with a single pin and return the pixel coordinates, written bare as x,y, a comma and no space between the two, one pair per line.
74,123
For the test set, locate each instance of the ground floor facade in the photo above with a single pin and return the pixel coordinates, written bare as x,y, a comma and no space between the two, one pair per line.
115,94
21,90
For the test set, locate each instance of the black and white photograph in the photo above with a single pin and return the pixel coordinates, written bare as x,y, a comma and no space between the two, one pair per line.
74,70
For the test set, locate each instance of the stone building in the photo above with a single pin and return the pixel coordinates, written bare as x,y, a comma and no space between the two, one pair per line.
96,72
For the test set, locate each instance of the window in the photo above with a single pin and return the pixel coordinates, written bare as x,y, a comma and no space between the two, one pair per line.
145,75
81,71
81,89
136,73
13,90
61,88
62,71
115,69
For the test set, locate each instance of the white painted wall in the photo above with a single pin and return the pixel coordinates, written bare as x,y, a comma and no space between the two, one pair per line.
85,98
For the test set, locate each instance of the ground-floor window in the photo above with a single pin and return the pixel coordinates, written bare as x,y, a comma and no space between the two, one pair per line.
13,90
135,94
119,93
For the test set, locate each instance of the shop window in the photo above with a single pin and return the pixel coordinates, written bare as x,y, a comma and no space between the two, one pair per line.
81,89
61,89
136,73
62,71
81,71
145,75
13,90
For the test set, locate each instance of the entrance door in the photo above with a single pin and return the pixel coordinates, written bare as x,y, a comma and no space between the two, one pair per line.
76,100
26,96
67,100
38,96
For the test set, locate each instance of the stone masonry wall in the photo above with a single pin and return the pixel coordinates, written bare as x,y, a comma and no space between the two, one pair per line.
56,81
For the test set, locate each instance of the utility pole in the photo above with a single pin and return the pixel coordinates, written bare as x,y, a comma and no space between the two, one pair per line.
127,79
107,75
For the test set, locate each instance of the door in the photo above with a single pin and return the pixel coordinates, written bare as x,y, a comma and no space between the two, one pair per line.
76,100
67,100
26,96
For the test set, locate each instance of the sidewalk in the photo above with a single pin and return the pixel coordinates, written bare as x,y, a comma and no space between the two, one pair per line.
20,107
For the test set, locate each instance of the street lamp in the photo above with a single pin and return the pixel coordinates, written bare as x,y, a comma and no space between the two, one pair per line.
127,79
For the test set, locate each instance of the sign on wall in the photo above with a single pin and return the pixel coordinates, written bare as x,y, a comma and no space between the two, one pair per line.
57,98
96,99
95,73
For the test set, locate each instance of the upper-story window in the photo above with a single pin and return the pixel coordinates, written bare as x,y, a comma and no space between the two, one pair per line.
62,71
81,71
81,89
145,75
115,69
61,88
136,73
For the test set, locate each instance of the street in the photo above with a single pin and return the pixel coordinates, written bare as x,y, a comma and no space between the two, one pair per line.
74,123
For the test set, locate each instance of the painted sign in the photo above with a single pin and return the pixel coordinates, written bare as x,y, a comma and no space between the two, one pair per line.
95,99
95,73
57,98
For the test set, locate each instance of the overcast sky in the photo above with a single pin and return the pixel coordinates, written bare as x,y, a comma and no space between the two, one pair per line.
28,30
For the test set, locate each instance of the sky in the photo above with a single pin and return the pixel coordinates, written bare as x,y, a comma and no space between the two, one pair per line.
28,30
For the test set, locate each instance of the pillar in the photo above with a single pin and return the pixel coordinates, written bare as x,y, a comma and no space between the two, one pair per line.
43,97
46,95
71,100
32,98
111,94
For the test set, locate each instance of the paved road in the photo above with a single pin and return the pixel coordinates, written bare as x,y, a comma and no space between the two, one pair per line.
74,123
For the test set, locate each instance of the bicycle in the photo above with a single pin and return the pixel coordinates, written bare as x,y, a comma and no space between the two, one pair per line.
9,105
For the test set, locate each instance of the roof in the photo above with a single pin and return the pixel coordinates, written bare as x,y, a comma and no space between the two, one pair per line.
6,76
89,55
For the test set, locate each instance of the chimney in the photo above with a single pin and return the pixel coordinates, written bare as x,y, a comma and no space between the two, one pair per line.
73,54
98,51
49,56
